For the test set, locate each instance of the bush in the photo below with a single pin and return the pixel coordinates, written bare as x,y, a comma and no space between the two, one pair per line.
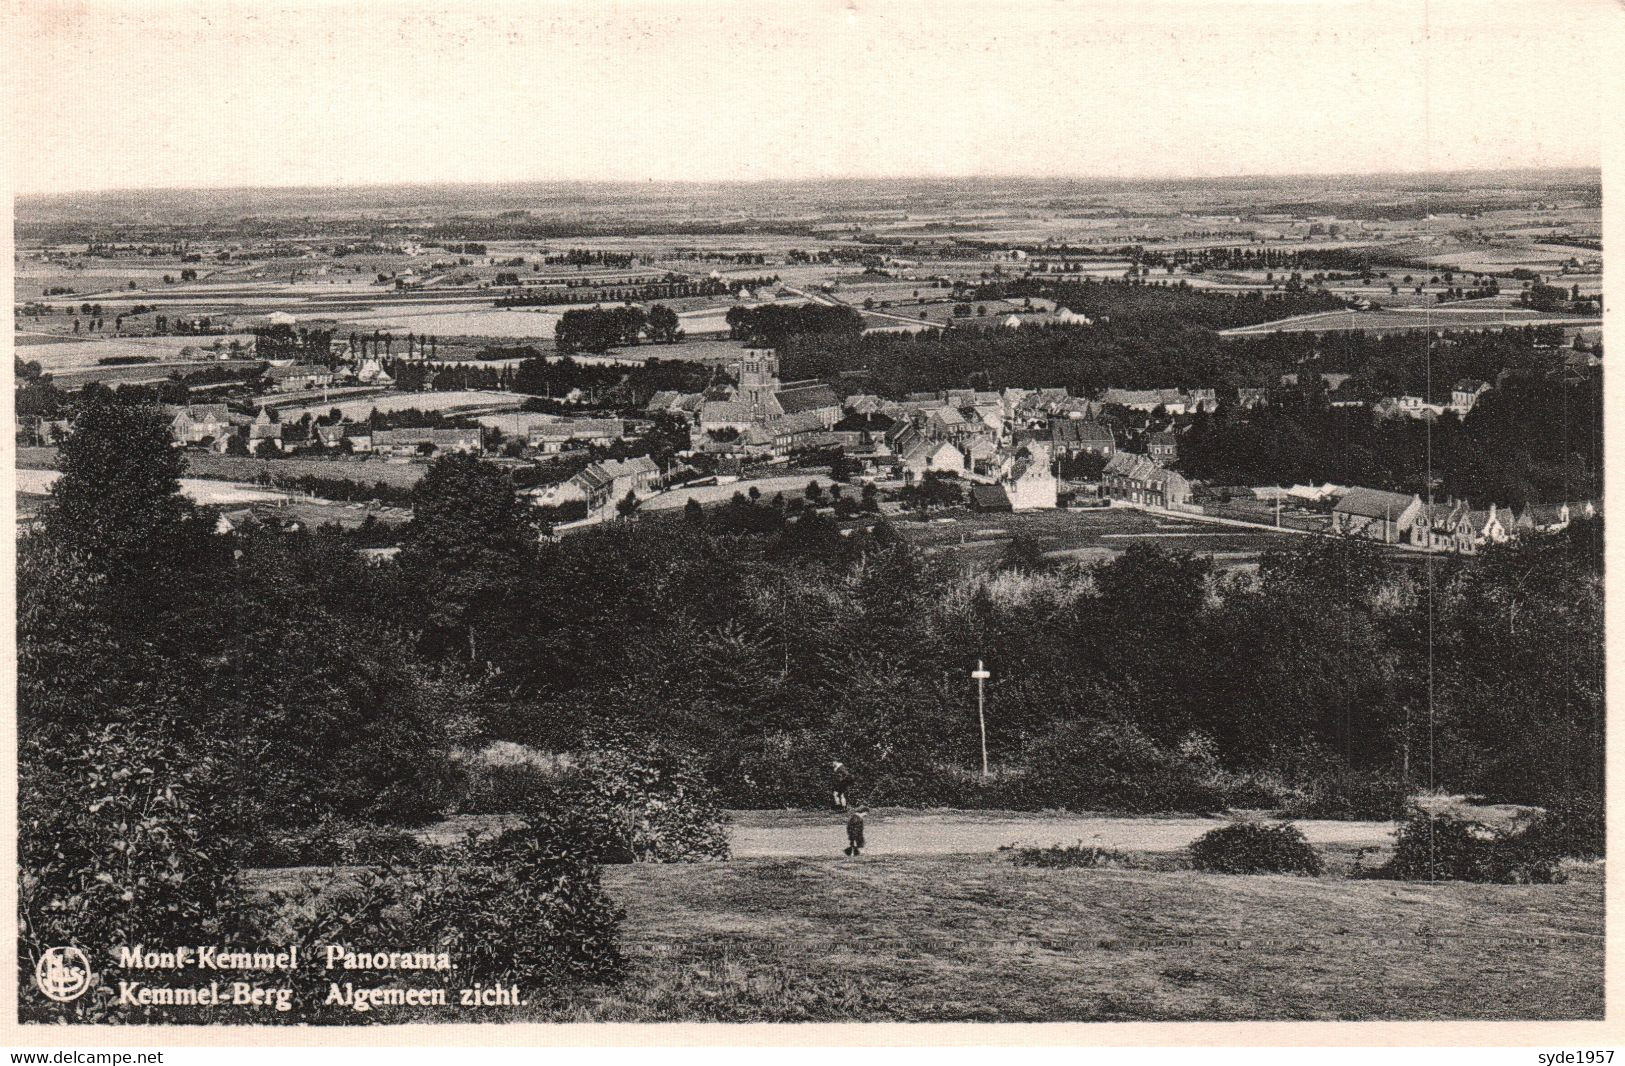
1116,767
1573,829
1447,847
117,845
778,770
331,842
514,911
505,788
632,801
1341,793
1068,856
1253,848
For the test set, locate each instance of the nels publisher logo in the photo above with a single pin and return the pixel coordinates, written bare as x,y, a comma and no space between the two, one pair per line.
63,974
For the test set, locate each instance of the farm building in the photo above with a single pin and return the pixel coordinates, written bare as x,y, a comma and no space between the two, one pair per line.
264,427
605,484
810,398
1376,515
938,457
1171,401
1163,447
1073,436
197,422
298,378
989,498
400,442
1464,394
1030,483
552,437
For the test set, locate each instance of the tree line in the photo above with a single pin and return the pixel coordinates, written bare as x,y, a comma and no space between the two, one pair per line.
768,643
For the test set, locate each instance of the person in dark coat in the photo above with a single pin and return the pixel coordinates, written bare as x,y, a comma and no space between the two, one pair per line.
840,779
854,832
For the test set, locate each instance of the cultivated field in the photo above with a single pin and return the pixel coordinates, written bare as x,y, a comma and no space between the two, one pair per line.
451,402
36,482
790,485
1400,319
247,468
55,354
1084,535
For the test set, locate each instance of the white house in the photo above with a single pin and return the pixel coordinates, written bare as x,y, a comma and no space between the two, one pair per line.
933,457
1030,484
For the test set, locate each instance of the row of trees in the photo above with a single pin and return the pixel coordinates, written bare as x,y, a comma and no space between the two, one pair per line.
1534,439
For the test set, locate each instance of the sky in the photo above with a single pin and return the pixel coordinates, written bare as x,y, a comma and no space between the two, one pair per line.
143,94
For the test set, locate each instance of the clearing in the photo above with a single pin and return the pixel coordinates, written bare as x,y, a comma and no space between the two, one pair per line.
909,932
975,938
1084,534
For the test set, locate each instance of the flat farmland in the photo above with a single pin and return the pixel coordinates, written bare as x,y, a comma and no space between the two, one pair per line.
790,485
467,320
1084,535
140,374
208,466
1398,320
457,401
37,482
1498,256
55,355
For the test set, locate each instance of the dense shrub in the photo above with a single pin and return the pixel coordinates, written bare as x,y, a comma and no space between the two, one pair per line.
777,770
1254,848
1336,791
1067,856
1439,848
632,801
1116,767
1447,847
117,846
505,788
333,843
1255,792
513,911
1575,829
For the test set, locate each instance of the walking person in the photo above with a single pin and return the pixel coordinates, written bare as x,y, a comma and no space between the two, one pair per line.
854,832
840,779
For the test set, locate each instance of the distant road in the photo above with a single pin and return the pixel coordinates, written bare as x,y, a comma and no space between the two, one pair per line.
836,301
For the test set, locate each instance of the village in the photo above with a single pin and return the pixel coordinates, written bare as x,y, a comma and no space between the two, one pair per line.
988,451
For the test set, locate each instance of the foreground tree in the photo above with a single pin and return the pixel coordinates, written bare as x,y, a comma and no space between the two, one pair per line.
468,537
118,504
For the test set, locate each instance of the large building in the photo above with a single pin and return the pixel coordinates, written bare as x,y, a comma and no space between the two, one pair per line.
1136,479
1074,436
1376,515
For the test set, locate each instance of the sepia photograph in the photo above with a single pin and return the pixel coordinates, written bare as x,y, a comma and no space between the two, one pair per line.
851,513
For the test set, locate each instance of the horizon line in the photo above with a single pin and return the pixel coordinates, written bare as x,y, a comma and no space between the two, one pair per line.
1596,168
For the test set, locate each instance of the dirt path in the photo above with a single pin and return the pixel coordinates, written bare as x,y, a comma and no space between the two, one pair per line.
891,831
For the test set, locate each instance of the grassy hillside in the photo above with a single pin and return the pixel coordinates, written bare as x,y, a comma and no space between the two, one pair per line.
974,938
